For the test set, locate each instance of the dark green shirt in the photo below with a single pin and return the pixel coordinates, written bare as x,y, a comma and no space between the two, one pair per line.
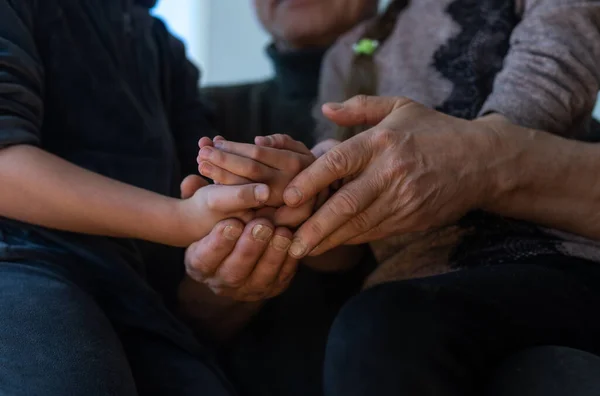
282,104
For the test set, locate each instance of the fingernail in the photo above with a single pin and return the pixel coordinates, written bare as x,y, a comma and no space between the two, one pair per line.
268,140
218,144
261,193
232,233
280,243
206,168
335,106
261,232
292,196
297,249
206,152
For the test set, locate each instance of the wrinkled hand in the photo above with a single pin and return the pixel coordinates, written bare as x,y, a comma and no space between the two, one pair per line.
243,262
274,160
416,169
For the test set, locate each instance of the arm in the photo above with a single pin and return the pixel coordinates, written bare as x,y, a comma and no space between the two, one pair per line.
42,189
551,74
401,184
543,178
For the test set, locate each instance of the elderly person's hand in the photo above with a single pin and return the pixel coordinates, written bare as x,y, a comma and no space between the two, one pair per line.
244,263
416,169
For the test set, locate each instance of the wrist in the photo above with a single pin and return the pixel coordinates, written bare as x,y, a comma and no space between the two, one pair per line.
501,155
520,161
183,227
166,223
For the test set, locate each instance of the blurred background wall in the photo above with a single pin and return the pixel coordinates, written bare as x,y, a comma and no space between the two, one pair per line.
224,38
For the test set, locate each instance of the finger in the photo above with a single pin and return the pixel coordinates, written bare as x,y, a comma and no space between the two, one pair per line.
293,217
218,137
286,275
205,142
203,258
219,175
265,274
237,267
346,159
191,184
228,199
267,212
238,165
272,157
352,199
356,231
282,142
363,110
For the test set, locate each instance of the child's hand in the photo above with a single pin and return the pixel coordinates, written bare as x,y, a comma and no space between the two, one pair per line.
237,163
199,213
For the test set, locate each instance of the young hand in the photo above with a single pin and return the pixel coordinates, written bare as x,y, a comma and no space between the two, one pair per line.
205,205
237,163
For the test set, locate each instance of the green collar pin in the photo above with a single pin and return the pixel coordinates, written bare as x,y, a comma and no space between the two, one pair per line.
365,47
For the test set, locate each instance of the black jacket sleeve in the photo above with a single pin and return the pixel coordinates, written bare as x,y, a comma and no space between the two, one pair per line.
21,75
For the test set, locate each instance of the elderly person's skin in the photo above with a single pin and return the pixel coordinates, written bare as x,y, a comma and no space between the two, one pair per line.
418,169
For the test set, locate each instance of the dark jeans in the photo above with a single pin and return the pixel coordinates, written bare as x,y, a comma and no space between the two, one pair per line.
75,327
57,339
547,371
446,335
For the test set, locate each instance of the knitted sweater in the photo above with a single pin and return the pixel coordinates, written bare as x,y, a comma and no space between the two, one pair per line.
537,62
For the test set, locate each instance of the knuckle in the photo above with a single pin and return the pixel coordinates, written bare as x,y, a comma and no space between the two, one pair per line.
346,204
199,268
361,100
336,162
255,152
233,279
362,222
254,171
384,137
316,229
278,139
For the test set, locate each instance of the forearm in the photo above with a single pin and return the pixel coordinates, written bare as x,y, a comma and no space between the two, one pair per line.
544,179
339,259
205,312
42,189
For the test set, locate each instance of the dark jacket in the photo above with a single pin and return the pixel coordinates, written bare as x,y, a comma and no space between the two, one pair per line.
104,85
282,104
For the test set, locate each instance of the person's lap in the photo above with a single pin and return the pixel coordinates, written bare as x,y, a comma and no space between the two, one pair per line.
546,371
57,339
281,351
443,335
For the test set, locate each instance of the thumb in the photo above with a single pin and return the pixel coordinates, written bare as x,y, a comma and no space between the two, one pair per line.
191,184
363,110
